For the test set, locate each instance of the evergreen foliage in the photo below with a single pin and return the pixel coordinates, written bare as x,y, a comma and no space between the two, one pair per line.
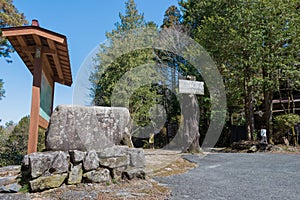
255,45
10,17
105,82
283,124
14,144
2,91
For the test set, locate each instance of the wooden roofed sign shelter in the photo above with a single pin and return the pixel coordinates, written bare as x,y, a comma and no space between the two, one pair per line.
46,55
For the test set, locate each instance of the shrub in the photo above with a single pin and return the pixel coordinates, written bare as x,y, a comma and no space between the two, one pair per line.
283,124
15,146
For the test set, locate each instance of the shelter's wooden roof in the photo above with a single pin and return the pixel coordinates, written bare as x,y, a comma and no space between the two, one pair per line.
56,59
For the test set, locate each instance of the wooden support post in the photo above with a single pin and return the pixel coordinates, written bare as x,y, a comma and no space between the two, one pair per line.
45,53
35,102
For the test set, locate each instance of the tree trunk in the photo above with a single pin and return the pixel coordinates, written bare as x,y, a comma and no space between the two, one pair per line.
249,107
191,135
280,99
293,101
268,96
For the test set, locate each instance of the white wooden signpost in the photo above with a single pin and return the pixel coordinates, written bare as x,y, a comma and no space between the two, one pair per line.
191,87
190,111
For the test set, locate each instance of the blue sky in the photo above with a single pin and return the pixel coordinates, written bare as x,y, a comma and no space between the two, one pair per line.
84,23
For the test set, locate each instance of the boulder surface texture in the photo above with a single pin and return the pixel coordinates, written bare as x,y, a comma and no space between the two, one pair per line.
88,128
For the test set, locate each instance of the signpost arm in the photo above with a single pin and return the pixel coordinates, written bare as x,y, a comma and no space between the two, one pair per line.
35,102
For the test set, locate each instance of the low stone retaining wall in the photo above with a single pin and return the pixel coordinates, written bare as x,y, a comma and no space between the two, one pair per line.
81,144
9,179
46,170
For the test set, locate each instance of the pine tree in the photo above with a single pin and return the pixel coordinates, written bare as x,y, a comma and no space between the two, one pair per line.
255,45
178,68
172,17
105,80
131,20
2,91
9,16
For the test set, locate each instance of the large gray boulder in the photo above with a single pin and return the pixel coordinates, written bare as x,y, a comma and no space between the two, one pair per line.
88,128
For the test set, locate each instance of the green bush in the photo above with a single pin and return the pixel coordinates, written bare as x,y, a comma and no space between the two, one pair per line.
14,147
284,123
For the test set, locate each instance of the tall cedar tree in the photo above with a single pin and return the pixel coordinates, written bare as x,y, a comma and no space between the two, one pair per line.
179,68
104,82
255,45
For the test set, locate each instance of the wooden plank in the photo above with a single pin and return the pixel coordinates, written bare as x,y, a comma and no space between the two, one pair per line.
43,123
63,54
34,120
47,68
23,44
276,101
46,50
24,49
37,40
62,47
64,62
63,58
31,31
56,60
63,50
56,79
35,103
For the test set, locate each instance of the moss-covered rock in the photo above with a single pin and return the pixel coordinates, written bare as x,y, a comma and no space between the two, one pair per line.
47,182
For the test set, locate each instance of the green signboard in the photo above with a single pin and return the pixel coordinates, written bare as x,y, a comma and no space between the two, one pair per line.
46,98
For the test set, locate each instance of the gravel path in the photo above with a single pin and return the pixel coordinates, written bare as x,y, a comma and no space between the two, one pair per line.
238,176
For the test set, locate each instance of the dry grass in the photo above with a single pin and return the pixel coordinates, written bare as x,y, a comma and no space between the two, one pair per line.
138,190
178,167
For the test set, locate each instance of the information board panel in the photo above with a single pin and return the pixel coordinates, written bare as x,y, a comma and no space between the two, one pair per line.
46,98
191,87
